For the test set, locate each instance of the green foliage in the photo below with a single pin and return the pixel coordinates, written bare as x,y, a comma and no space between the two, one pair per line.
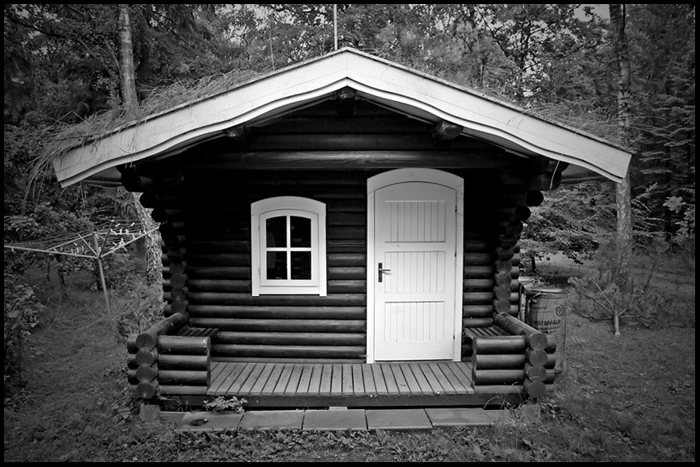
602,295
22,313
223,404
575,220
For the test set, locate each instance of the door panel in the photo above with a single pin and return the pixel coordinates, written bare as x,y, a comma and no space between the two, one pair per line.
415,241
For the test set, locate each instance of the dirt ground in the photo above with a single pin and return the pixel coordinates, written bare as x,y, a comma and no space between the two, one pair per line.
624,398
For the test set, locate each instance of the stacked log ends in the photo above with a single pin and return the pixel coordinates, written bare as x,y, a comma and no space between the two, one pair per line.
535,359
498,360
143,355
170,325
184,361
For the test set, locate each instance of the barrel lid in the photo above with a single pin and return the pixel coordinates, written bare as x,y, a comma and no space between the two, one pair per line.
542,290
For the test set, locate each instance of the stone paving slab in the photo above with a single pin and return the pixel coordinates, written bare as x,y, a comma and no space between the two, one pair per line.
398,419
209,421
326,420
268,419
464,417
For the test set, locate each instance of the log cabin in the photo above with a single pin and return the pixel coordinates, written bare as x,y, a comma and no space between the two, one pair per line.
342,232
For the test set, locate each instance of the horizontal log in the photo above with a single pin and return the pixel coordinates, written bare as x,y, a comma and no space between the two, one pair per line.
184,345
219,285
131,346
178,306
352,155
477,322
511,376
185,378
206,245
551,376
280,325
178,280
278,312
545,181
347,273
219,272
146,374
504,254
179,294
131,181
514,228
478,272
536,357
523,198
535,389
499,361
184,362
501,306
146,357
477,297
167,389
174,242
472,245
535,339
477,311
176,255
499,345
148,340
478,258
502,292
161,214
535,372
131,361
147,390
292,338
222,259
346,286
478,284
215,298
346,259
507,240
270,351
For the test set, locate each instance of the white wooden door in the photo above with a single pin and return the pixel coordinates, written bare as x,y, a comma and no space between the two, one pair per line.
415,225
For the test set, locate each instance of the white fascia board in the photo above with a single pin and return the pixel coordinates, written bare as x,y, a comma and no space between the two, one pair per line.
486,116
205,118
376,78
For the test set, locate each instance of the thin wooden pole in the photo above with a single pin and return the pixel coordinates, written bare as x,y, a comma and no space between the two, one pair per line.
102,278
335,27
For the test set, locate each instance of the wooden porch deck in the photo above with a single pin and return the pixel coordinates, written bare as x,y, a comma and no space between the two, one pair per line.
299,385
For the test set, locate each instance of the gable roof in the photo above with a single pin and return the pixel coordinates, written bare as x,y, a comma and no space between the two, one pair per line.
376,80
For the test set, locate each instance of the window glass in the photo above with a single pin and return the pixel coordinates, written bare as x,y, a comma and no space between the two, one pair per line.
276,265
300,231
276,228
301,265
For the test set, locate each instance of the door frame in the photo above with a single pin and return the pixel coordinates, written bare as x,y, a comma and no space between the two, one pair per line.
427,176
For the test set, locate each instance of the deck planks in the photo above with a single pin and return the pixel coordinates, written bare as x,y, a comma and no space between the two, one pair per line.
340,379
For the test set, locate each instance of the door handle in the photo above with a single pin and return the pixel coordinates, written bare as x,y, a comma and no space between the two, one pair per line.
381,271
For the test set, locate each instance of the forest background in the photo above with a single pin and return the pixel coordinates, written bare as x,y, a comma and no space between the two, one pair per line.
63,71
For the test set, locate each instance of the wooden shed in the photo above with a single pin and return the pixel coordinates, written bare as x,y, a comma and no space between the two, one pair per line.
342,232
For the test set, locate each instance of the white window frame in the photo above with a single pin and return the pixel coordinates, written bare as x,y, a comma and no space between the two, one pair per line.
288,206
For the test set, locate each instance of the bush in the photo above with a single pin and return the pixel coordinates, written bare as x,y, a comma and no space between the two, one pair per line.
606,293
22,311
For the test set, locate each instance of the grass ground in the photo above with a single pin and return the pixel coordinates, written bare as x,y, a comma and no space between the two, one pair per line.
625,398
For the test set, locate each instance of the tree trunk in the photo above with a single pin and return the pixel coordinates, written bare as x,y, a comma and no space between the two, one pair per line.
128,87
126,48
623,191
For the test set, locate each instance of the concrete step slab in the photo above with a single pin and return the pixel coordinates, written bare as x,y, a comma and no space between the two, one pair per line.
329,420
397,419
464,417
209,421
269,419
